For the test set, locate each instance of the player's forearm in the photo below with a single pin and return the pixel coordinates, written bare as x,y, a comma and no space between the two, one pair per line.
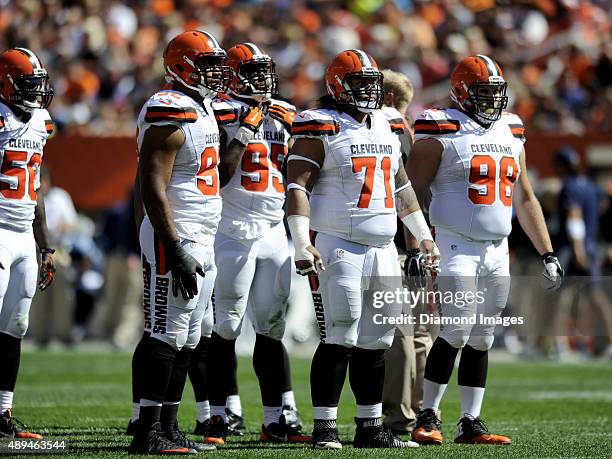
139,211
39,226
158,209
406,201
230,158
531,219
298,203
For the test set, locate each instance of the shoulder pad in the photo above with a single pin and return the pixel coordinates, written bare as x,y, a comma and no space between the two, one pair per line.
283,104
311,123
226,112
170,106
436,122
517,129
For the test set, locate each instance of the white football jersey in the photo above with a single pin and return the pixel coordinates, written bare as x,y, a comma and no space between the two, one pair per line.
193,191
354,196
472,190
400,126
21,152
253,199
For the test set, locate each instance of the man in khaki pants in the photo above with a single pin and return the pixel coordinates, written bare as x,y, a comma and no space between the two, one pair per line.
405,360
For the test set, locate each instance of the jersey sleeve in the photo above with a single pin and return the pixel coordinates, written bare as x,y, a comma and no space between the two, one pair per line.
226,113
169,108
314,124
515,124
437,124
49,124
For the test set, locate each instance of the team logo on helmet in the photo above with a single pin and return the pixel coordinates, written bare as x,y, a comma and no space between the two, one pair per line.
479,88
353,78
24,82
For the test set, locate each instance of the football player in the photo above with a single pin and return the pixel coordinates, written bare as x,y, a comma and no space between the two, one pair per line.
471,156
25,126
251,248
346,185
178,184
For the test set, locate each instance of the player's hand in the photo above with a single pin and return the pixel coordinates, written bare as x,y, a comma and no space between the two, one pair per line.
282,114
414,271
553,271
308,261
431,256
253,118
47,270
184,270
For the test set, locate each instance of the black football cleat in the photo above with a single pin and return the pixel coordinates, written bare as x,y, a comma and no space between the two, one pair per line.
178,438
201,428
428,428
235,423
12,428
372,434
155,442
274,433
325,436
131,428
474,431
217,431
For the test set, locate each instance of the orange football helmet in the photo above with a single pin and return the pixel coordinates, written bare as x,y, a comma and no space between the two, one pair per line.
24,82
254,72
195,60
353,78
479,88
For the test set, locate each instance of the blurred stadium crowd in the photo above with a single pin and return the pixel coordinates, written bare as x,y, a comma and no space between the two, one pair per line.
104,61
104,56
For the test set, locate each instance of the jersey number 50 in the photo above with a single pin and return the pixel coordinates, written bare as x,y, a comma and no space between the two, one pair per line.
11,169
483,172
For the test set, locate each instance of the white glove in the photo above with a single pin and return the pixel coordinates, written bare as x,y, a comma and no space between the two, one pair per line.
553,271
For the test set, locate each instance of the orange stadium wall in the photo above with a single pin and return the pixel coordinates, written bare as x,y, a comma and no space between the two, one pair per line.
98,172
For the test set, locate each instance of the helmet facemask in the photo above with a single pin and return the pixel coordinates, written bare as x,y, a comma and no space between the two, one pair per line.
212,74
257,80
31,91
363,90
487,101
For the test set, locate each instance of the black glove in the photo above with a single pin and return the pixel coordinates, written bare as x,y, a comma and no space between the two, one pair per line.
184,269
553,270
414,270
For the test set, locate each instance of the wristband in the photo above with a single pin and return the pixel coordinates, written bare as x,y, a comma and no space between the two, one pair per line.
299,227
244,135
416,224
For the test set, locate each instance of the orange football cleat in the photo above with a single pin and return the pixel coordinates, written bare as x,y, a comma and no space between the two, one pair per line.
471,430
427,430
12,428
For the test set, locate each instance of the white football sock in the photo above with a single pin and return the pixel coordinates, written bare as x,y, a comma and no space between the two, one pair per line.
202,411
369,411
272,414
135,411
233,404
432,394
289,399
145,402
218,410
325,413
471,400
6,400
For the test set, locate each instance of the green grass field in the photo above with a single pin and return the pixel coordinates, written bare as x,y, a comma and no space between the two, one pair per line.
549,410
